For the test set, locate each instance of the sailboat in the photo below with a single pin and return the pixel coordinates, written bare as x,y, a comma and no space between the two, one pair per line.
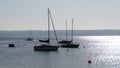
48,46
70,45
65,41
30,38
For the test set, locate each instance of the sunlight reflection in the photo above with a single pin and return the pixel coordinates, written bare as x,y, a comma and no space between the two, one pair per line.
101,38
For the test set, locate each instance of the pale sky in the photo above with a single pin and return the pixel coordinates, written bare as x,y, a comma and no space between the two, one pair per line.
32,14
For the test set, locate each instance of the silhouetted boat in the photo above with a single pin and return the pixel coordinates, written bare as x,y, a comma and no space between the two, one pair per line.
65,41
47,46
46,41
70,45
30,38
11,45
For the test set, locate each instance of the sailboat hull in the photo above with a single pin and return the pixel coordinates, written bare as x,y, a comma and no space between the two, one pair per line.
70,45
29,39
46,48
64,42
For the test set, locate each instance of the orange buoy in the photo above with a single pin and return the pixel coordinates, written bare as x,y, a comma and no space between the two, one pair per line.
89,61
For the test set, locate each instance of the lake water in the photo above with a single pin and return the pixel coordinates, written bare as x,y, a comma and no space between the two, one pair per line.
104,52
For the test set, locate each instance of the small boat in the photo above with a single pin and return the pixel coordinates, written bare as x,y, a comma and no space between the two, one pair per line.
47,46
65,41
70,45
11,45
30,38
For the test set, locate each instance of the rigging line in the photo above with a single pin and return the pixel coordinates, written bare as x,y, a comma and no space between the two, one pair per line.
53,27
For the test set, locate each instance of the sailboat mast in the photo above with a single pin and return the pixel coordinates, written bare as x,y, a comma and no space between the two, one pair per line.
48,27
31,34
66,31
72,29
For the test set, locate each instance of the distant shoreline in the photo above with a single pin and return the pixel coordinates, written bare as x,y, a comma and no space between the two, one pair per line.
61,32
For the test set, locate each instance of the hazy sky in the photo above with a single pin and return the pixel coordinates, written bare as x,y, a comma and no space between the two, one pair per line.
32,14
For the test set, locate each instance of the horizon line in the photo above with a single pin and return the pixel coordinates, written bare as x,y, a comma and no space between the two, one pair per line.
60,30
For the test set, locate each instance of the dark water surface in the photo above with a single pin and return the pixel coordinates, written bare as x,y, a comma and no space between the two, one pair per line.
104,51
